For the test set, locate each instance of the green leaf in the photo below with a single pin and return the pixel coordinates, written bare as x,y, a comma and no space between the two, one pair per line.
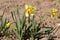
12,13
18,21
23,21
30,25
17,9
29,19
6,33
18,25
42,30
16,33
0,23
45,29
23,24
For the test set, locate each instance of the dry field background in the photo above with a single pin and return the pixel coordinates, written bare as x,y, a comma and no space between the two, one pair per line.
43,8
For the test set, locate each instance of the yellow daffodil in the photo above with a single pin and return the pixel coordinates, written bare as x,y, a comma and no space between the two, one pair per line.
8,24
28,10
53,12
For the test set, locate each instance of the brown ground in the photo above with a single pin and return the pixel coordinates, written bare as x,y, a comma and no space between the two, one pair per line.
43,8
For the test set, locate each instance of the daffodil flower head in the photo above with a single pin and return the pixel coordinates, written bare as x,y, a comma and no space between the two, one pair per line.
28,10
53,12
8,24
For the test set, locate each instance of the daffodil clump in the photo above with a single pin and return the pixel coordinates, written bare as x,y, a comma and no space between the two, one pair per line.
53,12
29,10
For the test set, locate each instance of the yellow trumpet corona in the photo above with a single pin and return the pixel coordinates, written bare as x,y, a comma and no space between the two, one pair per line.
8,25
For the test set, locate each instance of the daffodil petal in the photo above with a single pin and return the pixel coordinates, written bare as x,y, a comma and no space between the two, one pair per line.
26,14
32,14
51,16
26,7
54,10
